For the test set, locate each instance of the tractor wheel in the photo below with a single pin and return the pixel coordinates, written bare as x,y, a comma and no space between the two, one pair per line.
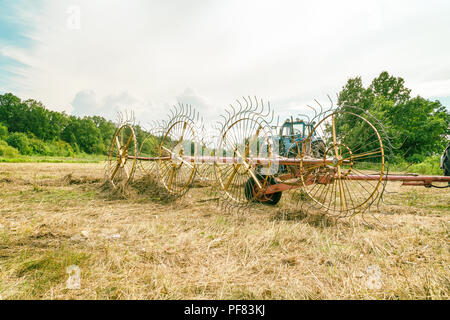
251,192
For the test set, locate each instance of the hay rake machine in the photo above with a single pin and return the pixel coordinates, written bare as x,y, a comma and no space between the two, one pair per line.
251,160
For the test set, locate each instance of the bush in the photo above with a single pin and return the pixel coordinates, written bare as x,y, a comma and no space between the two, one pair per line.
416,158
7,151
60,148
3,132
430,166
39,147
21,142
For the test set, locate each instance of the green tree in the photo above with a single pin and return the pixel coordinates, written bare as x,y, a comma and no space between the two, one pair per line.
85,134
416,126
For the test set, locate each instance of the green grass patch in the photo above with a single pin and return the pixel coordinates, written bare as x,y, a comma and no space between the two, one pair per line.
430,166
58,195
46,159
42,272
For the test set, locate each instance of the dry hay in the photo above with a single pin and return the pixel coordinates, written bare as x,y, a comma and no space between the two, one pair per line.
149,186
137,248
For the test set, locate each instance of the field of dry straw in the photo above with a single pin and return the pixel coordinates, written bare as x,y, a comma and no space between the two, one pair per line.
53,216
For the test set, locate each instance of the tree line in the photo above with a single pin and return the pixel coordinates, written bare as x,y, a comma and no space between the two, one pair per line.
417,127
29,128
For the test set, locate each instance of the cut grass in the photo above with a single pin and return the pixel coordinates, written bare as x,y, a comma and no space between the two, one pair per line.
39,272
144,248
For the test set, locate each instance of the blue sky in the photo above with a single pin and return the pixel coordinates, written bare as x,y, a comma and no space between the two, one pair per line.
100,56
12,33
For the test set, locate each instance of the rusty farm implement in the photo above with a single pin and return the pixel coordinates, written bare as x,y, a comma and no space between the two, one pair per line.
249,159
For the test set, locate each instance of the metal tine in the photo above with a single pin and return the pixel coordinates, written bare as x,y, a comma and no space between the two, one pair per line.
315,112
251,104
262,109
327,110
331,101
234,111
240,106
304,115
273,112
321,110
247,106
317,115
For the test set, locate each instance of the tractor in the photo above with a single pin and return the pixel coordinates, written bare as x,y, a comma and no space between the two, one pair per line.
292,133
290,136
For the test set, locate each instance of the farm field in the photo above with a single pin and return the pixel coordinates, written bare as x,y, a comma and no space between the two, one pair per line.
56,215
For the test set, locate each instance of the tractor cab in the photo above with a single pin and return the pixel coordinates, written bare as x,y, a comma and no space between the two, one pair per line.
292,132
295,130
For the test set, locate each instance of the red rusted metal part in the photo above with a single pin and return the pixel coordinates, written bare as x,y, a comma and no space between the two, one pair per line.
423,181
426,179
280,187
420,184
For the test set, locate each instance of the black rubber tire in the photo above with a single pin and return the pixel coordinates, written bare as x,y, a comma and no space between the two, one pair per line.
250,185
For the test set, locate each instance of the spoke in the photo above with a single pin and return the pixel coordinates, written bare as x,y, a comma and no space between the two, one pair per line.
253,176
362,155
178,157
182,133
244,163
342,195
253,139
334,136
235,149
172,173
127,173
235,170
115,171
128,142
336,151
119,149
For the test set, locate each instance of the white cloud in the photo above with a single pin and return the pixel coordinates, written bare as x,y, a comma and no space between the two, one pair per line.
144,55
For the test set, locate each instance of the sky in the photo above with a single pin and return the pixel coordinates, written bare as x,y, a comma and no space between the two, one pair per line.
96,57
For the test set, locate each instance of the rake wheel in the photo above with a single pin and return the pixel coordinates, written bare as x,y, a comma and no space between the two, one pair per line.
150,148
241,143
178,148
339,183
122,157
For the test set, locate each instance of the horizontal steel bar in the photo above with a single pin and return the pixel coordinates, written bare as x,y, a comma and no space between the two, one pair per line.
260,161
149,158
